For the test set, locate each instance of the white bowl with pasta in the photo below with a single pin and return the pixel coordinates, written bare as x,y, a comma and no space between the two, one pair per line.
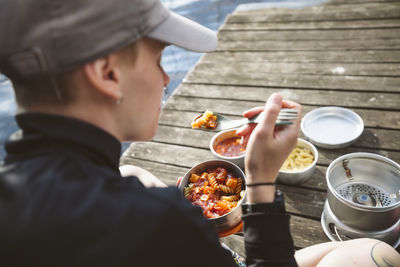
300,164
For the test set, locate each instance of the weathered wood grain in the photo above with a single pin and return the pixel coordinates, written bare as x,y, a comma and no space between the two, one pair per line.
317,180
319,13
169,154
323,97
306,232
168,174
370,56
311,201
344,2
309,35
311,25
223,67
310,45
358,83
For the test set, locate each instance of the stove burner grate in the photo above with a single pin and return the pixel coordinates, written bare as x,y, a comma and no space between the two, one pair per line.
365,194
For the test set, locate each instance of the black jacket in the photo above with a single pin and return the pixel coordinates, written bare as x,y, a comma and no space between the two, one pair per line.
63,202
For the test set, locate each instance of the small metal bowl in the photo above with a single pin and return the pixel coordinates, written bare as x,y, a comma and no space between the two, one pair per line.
332,127
297,177
220,136
231,222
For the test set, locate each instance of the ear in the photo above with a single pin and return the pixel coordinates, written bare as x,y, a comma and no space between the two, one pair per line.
103,74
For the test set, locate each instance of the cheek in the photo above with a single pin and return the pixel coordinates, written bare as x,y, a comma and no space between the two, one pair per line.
147,91
153,82
153,100
155,94
145,88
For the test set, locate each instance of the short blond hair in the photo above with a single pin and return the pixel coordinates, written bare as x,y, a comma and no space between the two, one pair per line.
57,89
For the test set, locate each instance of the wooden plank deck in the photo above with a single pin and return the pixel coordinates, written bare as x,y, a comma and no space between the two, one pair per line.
343,53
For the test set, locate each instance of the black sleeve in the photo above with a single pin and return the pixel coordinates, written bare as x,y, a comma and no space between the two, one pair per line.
267,235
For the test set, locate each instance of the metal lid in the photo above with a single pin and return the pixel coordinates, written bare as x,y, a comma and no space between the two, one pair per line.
332,127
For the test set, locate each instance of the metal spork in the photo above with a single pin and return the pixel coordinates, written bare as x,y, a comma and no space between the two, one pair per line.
285,117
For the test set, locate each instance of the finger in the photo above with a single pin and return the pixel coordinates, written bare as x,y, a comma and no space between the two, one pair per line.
252,112
293,105
288,103
271,112
290,132
178,181
244,130
245,138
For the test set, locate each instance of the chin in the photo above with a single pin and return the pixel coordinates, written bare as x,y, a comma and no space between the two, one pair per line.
147,134
143,131
154,131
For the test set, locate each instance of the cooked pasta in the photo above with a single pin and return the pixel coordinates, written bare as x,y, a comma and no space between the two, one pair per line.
230,198
194,178
238,187
216,191
213,181
300,158
187,190
207,120
226,189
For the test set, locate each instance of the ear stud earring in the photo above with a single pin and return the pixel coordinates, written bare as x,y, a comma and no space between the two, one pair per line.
120,98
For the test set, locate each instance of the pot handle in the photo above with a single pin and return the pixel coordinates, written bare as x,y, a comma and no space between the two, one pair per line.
336,232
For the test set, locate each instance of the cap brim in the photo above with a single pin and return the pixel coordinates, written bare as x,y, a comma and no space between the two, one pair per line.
185,33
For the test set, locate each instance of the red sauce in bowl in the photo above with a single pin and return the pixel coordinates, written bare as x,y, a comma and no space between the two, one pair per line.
230,147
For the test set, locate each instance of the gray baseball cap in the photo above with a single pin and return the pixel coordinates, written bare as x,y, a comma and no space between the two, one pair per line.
53,36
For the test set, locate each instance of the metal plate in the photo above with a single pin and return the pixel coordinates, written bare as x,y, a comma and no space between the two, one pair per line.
332,127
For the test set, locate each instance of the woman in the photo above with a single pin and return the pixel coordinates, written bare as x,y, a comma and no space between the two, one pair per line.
87,76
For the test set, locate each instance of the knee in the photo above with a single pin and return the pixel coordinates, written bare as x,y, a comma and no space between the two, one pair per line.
129,170
362,251
363,242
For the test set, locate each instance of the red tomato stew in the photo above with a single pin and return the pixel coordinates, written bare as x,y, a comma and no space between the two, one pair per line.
216,191
230,147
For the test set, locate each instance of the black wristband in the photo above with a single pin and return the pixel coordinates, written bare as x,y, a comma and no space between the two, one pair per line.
276,207
258,184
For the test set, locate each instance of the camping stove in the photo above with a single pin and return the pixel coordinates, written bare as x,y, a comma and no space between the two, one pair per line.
335,230
363,198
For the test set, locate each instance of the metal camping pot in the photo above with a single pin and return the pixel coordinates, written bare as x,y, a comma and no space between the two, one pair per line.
231,222
364,191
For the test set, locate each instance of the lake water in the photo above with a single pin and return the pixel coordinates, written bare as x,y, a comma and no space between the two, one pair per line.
176,61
